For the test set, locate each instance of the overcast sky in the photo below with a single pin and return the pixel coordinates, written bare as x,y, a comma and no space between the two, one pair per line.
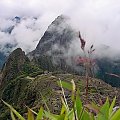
98,20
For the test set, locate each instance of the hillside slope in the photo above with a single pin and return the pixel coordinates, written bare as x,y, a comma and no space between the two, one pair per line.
23,83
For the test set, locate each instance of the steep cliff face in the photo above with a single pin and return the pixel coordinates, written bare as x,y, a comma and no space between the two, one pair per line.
59,34
54,52
52,49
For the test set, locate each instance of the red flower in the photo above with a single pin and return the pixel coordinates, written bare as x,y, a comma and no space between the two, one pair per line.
82,60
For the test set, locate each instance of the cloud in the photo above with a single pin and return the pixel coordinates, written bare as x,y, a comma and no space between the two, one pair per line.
98,20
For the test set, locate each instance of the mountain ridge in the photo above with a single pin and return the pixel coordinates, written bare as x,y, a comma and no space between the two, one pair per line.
56,51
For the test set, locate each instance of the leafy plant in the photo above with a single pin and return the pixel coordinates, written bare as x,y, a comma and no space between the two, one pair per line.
78,111
87,61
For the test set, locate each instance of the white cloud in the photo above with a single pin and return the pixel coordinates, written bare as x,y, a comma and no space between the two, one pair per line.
98,20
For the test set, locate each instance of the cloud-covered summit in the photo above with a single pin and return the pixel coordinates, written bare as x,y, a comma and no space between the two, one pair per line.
98,20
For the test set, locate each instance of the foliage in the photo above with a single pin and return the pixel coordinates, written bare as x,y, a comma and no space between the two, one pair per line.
106,68
78,111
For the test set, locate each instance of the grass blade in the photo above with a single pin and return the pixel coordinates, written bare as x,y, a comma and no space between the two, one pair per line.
111,106
12,115
116,116
30,115
40,114
13,110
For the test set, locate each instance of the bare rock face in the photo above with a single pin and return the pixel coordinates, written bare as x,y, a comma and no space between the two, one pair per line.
52,48
59,33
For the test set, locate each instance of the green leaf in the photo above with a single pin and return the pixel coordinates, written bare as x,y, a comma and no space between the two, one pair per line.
50,116
63,92
62,110
104,111
64,104
12,115
78,104
61,117
111,106
30,115
85,116
40,114
92,116
71,115
13,110
116,116
66,85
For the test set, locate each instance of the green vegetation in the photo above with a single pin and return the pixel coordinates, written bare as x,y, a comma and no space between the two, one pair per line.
26,84
78,111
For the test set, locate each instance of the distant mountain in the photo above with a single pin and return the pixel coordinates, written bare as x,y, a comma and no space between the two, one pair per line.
2,59
5,51
10,28
7,48
109,70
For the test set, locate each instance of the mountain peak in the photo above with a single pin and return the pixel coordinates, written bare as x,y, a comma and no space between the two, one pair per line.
60,19
17,19
14,64
59,33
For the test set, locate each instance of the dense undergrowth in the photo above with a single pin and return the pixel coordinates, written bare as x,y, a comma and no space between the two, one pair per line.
78,111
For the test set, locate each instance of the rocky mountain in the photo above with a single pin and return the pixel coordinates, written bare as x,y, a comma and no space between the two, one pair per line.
52,51
14,63
59,34
56,51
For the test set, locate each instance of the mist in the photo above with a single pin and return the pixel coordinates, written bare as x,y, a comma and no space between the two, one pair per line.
98,21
